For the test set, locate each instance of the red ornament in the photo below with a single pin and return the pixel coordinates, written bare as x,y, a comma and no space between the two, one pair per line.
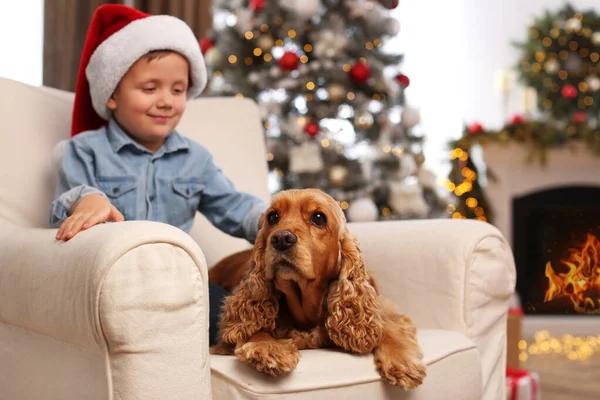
360,73
569,91
312,128
579,118
257,5
206,44
289,61
517,120
390,4
403,80
475,128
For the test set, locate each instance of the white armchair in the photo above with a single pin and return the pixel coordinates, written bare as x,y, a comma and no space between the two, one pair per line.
121,310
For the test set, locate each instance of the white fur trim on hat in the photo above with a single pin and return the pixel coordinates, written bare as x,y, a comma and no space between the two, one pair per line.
112,58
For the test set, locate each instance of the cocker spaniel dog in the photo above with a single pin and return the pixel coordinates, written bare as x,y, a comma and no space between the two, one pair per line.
304,285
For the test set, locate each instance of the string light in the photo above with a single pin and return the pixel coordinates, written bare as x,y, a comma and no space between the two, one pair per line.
572,347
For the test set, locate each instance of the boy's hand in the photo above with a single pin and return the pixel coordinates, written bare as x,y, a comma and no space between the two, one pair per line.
87,212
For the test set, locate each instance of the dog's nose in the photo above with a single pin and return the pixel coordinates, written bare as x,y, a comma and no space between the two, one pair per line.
283,240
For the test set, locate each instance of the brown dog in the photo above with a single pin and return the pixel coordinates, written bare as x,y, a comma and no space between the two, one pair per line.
304,285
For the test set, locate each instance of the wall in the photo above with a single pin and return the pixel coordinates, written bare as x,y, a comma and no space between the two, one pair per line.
21,40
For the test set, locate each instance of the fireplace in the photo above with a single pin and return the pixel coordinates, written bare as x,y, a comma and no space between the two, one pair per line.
556,244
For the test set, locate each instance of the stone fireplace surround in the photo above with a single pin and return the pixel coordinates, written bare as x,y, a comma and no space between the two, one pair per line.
572,165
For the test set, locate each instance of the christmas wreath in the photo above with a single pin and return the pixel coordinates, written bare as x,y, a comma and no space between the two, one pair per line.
560,60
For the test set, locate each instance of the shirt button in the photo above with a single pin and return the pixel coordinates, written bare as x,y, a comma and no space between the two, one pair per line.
115,190
152,197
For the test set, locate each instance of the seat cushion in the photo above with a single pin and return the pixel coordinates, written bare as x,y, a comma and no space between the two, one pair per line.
453,372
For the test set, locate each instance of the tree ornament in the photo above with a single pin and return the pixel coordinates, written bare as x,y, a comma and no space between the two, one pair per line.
265,42
360,73
410,117
574,63
403,80
257,5
336,92
306,158
475,128
391,26
390,4
289,61
593,83
517,119
312,128
304,9
362,210
579,118
552,66
206,44
569,91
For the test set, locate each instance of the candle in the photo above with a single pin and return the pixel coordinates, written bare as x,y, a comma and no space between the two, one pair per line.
529,100
503,81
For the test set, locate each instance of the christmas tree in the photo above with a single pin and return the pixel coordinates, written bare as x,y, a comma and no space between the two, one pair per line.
332,100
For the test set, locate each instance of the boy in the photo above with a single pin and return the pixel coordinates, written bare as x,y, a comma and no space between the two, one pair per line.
125,160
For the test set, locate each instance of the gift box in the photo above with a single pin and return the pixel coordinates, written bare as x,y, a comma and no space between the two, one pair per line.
522,385
513,335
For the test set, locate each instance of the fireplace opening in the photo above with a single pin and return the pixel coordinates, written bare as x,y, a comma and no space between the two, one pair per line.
556,244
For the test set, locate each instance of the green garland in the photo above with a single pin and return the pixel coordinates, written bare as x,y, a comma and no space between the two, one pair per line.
561,61
537,136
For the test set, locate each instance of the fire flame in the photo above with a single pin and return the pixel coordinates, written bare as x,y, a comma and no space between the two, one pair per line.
581,284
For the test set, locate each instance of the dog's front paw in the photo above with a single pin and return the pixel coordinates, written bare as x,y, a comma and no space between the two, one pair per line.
406,374
277,357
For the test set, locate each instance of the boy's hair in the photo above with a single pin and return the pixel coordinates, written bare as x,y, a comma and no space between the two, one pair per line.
157,54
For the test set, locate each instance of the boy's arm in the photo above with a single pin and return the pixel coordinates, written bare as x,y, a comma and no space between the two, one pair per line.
76,179
235,213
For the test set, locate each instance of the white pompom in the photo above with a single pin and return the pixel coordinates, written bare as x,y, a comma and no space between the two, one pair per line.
306,158
407,199
362,210
58,151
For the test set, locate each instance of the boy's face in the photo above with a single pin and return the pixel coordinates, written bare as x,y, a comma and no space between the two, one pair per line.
151,98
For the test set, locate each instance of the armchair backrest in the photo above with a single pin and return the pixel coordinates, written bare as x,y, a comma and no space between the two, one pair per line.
35,119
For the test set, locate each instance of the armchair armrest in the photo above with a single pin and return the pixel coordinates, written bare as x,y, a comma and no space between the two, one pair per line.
447,274
136,292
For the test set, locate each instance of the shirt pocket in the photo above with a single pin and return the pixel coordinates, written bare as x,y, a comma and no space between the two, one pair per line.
188,192
121,193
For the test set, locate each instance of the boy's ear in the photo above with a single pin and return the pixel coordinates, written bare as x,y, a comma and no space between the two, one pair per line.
111,103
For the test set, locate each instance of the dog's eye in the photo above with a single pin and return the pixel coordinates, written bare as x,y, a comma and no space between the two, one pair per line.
319,219
273,218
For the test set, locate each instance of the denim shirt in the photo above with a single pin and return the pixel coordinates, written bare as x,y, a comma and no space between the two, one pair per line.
167,186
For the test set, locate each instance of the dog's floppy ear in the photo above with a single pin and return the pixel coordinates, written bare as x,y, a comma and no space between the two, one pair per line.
252,306
353,322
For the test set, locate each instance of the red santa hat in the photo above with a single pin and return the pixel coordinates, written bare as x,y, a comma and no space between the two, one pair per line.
118,36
